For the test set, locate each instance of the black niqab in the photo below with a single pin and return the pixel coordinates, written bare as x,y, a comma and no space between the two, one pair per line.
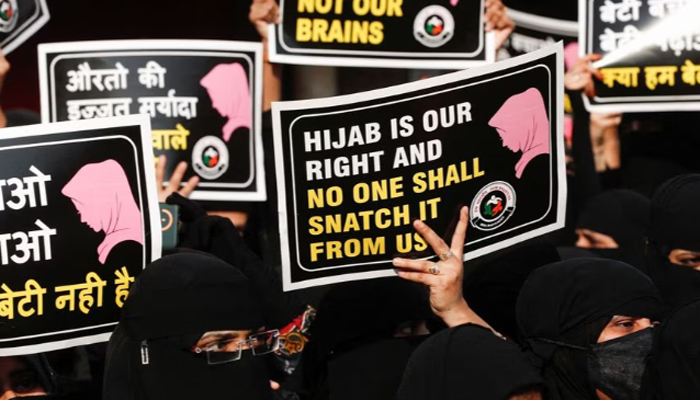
468,362
492,289
675,368
563,308
173,302
624,216
675,224
354,334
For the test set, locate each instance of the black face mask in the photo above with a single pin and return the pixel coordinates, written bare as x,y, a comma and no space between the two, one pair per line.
372,371
616,367
173,373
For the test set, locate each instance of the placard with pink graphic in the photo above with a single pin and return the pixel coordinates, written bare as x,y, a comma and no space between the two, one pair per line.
355,171
79,220
203,98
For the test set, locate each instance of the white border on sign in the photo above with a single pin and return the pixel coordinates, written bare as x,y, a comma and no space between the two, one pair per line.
178,48
279,107
150,203
544,24
353,58
388,54
622,104
20,35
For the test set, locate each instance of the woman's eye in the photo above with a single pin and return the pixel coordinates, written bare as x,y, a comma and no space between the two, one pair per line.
625,324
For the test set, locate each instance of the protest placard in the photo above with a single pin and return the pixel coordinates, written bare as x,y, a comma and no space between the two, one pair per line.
354,171
19,20
204,99
650,49
447,34
79,220
533,32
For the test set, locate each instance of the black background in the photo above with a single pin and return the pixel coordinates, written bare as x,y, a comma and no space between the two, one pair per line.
183,74
461,142
74,247
650,56
398,32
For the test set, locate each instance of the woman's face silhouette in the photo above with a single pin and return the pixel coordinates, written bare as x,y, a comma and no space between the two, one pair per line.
508,140
216,102
87,217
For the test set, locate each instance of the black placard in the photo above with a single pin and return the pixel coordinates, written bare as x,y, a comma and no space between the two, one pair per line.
203,98
80,220
353,171
651,52
19,20
444,34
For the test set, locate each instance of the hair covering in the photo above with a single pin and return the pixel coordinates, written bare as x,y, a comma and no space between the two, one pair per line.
675,217
568,304
492,289
523,125
468,362
352,339
675,367
171,305
103,197
229,91
624,216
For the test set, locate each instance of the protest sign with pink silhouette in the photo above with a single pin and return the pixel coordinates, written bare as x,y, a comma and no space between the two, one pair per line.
229,91
523,125
103,198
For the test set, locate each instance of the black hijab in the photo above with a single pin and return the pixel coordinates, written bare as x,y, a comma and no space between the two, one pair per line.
492,289
675,224
675,369
468,362
624,216
563,308
353,352
172,303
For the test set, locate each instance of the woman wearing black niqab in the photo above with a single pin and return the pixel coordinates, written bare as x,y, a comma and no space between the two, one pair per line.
469,362
586,321
614,225
362,338
673,251
180,333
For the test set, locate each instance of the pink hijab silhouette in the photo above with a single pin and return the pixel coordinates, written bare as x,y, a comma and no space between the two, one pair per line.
523,126
102,195
228,89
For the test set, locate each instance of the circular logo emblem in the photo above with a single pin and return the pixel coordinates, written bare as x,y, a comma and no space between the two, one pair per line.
434,26
493,206
8,15
210,157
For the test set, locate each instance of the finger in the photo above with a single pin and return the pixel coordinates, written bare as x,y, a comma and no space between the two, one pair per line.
460,234
419,277
274,385
160,171
189,186
176,177
439,246
413,265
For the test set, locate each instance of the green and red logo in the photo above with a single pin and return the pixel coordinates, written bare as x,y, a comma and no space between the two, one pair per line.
434,26
493,206
8,15
210,157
